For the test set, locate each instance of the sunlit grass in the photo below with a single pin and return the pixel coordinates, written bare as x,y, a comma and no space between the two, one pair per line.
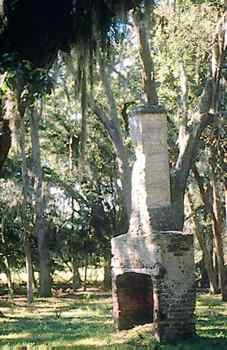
94,274
84,321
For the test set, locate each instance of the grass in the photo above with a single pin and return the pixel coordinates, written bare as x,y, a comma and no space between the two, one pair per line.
84,321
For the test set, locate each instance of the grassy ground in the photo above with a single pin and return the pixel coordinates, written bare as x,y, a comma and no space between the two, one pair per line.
84,322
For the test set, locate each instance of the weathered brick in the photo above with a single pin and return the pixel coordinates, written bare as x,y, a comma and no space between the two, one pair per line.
153,265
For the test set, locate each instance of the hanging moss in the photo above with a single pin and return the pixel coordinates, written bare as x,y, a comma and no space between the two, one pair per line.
35,30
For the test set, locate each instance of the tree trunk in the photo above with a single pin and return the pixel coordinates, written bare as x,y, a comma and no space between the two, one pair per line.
8,275
113,127
215,211
202,243
189,143
111,123
85,273
76,281
34,282
84,125
205,282
218,240
171,4
122,153
218,58
40,224
215,264
6,261
5,142
13,112
25,220
125,174
107,281
142,20
225,189
44,262
29,269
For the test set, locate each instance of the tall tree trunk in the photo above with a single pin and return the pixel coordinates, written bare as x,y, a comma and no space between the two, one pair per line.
218,58
40,224
25,219
218,240
113,127
142,20
214,210
202,243
83,138
76,280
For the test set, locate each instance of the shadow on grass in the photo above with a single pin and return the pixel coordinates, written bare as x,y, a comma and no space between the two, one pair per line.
208,343
201,343
86,321
210,301
47,331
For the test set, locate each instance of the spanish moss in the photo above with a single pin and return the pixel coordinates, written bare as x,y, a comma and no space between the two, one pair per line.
36,30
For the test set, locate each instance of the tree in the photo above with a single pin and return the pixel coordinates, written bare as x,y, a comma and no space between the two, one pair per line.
25,217
87,219
194,74
21,41
194,96
40,223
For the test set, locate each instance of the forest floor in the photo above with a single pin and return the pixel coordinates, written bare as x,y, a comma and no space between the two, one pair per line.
83,321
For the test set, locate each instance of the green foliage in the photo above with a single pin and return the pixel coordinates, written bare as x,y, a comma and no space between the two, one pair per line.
11,231
184,38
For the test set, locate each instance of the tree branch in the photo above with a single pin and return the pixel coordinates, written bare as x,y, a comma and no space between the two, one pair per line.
99,112
109,94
